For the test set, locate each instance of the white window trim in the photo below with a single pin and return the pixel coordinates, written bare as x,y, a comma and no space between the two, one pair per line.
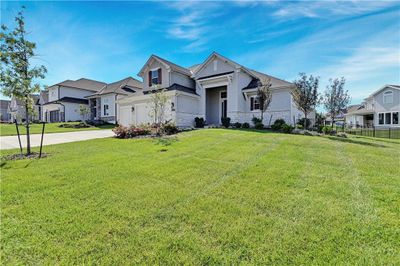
156,71
391,118
255,97
388,94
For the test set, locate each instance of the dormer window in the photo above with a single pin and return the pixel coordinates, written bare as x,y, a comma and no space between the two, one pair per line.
388,97
154,77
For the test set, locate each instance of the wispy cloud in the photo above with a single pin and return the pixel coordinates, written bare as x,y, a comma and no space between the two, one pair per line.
191,24
313,9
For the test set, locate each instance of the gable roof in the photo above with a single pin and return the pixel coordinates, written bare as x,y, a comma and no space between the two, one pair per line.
166,63
82,83
256,75
396,87
125,86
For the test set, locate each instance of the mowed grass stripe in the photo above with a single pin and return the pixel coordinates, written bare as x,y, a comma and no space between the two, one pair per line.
214,197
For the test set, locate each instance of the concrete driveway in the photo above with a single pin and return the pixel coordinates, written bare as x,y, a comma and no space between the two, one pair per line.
11,142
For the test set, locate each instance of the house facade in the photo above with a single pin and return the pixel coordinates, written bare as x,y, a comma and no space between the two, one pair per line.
17,110
63,100
103,104
216,88
5,115
381,109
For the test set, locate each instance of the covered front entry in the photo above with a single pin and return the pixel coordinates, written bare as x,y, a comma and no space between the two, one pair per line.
216,104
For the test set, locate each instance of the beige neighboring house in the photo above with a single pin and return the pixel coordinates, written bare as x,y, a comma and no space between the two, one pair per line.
65,98
17,111
216,88
103,104
5,116
381,109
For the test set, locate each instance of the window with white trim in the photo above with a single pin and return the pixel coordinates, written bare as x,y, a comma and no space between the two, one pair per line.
254,103
388,118
154,76
388,97
381,121
395,118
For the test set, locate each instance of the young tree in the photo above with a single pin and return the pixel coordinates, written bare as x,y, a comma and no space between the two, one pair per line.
305,94
84,111
264,95
158,103
336,98
17,75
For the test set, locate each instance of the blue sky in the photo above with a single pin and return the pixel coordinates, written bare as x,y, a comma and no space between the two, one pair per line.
108,41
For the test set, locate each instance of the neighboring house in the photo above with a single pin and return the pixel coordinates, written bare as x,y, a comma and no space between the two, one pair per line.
339,119
103,104
65,98
5,116
219,87
17,109
380,109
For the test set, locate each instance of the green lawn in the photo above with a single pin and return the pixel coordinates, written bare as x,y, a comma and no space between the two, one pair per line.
10,129
213,197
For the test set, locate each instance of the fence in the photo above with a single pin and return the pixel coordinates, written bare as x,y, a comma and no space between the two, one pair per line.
390,133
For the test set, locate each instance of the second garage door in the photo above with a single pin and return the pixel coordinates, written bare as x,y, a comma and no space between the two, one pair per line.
142,114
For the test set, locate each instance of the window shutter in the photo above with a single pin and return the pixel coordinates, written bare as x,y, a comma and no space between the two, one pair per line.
251,103
150,79
159,76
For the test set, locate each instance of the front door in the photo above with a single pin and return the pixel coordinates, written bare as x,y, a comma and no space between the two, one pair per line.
223,104
54,116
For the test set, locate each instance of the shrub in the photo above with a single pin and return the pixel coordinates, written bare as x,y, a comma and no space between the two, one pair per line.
301,122
259,125
226,121
120,132
79,125
287,128
237,125
341,135
256,120
169,128
326,130
299,126
278,124
245,125
199,122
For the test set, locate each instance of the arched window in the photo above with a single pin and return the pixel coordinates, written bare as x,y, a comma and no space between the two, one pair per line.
388,97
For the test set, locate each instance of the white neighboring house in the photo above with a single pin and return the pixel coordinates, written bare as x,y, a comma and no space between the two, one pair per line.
65,98
16,109
219,87
5,115
103,104
381,109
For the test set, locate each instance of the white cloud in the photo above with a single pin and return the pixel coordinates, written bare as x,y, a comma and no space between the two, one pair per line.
191,25
312,9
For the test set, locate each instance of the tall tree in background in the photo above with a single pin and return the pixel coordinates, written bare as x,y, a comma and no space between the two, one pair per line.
305,94
17,75
264,95
336,98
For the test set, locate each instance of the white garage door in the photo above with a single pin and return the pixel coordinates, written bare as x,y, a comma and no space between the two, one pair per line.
142,114
125,115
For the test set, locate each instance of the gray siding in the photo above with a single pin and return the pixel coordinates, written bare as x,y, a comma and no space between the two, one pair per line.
221,67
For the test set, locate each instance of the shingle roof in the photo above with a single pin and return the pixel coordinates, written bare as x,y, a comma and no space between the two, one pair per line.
125,86
69,100
83,83
45,96
174,66
175,86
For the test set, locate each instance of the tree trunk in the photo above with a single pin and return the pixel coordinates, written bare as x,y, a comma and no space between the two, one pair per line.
262,116
305,120
28,137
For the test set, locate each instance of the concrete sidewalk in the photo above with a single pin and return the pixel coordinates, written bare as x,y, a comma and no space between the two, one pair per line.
11,142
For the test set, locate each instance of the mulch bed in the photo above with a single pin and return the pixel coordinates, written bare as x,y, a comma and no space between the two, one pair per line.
33,155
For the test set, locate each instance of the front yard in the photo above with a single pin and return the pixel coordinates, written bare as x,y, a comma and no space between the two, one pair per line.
206,197
10,129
